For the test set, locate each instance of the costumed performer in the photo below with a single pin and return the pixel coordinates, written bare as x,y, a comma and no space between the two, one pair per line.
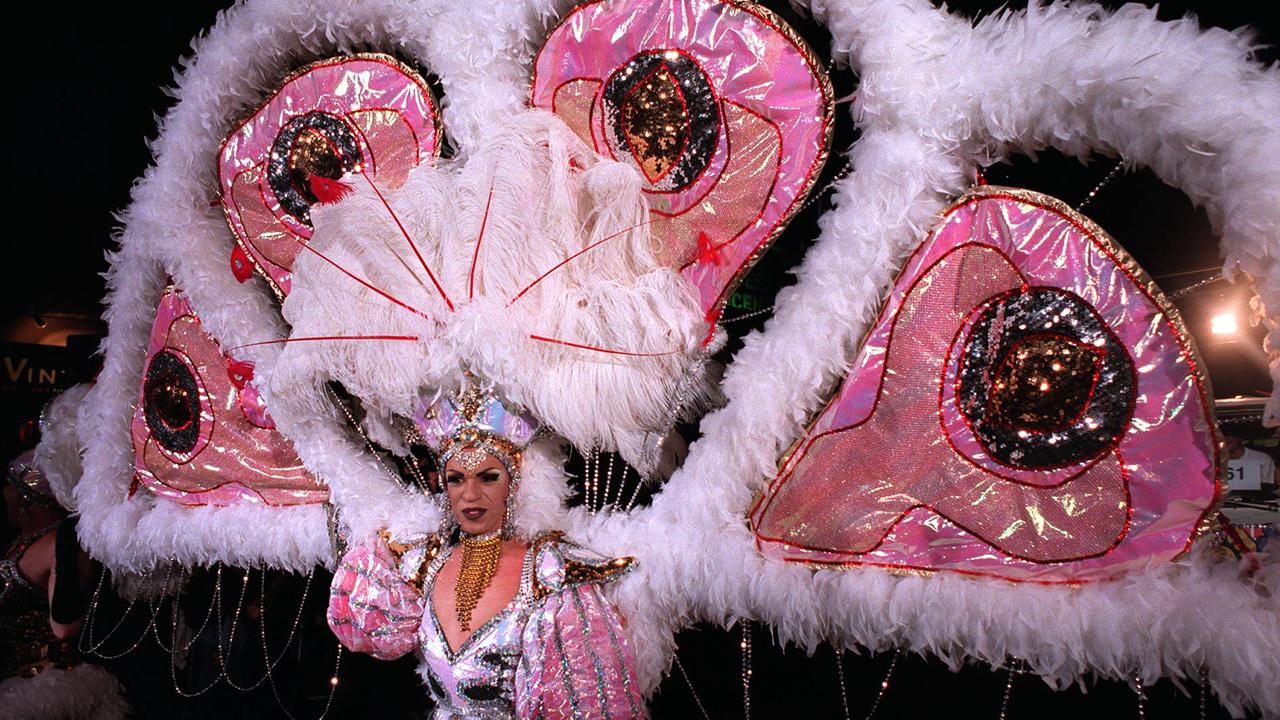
42,603
504,625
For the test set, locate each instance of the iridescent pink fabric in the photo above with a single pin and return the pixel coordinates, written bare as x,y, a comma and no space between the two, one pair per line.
576,662
897,471
371,609
376,113
749,117
201,434
556,651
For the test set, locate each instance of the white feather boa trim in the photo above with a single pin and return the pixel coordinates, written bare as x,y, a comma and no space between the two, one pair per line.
85,692
938,96
173,230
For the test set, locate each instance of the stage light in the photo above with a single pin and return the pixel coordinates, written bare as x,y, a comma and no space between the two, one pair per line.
1224,324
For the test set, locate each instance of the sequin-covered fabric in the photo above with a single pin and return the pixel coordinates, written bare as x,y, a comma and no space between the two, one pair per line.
364,114
719,105
556,651
371,608
27,644
1028,406
201,433
576,663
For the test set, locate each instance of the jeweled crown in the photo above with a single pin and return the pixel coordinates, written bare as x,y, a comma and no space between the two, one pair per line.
476,417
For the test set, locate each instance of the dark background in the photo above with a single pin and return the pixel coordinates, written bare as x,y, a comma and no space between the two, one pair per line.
85,88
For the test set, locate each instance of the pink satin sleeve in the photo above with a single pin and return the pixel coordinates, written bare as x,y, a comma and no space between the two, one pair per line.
371,609
576,662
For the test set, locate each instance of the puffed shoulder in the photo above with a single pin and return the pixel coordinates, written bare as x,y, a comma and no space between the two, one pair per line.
413,556
559,564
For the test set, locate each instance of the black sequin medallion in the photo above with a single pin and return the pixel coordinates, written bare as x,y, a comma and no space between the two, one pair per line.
313,144
171,403
1043,381
660,110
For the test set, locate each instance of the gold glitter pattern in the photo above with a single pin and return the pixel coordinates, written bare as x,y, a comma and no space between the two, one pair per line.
314,154
725,57
313,144
578,573
734,202
1044,383
661,109
656,123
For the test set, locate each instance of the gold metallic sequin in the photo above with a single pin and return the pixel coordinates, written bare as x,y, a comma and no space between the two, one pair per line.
432,546
655,122
471,402
578,573
316,143
314,154
1044,383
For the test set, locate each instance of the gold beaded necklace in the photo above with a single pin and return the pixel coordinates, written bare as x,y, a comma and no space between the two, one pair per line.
479,564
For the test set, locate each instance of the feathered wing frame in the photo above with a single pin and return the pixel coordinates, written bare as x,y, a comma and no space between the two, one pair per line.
938,97
172,231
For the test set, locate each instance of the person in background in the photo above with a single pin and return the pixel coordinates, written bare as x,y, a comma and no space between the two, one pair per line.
1248,470
43,575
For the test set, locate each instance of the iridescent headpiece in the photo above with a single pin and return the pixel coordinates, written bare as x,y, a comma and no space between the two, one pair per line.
31,482
474,422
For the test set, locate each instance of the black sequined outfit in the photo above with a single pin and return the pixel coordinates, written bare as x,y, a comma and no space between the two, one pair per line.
27,644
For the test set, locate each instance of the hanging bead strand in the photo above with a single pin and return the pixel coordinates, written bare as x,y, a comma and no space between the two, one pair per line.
94,646
608,484
692,691
635,492
586,482
1141,694
844,693
1014,671
745,647
1101,184
1204,693
884,685
231,636
173,655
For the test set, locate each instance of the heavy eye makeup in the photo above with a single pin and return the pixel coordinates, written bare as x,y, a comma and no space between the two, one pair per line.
489,476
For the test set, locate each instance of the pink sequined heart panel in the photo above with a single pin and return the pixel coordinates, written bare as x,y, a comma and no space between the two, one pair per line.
201,434
719,105
363,114
1028,406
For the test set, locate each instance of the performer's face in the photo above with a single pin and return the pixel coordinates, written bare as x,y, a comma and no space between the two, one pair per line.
477,491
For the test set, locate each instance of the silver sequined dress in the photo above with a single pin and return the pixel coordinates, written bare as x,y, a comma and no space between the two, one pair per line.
556,651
